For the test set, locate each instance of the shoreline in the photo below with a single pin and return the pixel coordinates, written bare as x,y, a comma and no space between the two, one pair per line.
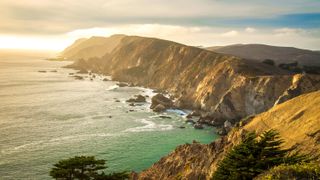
189,114
183,112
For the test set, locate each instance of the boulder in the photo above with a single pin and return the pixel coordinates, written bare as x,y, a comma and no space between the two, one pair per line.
198,126
122,84
105,79
190,121
165,117
221,131
138,99
227,125
78,77
161,99
159,108
189,116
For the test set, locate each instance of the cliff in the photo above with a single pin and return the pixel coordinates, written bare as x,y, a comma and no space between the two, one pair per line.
92,47
222,87
297,121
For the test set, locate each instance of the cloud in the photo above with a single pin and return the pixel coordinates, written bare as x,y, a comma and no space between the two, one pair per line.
202,22
230,33
61,16
250,30
190,35
288,31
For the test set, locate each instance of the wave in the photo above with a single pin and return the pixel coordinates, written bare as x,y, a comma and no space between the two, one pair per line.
39,144
113,87
150,126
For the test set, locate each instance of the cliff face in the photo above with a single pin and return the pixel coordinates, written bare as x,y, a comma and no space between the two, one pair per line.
297,121
92,47
226,87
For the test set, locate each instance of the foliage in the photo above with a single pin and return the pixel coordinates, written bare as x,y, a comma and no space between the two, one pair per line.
83,168
295,171
255,155
269,62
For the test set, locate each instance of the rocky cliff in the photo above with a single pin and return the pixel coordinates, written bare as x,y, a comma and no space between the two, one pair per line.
92,47
222,87
297,121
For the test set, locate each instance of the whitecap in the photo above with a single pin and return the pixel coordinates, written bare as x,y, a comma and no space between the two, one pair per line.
38,144
150,126
113,87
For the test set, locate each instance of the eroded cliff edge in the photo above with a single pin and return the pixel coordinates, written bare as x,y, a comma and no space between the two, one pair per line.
222,87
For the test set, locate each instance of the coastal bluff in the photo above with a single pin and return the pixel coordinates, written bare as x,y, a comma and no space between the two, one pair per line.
221,87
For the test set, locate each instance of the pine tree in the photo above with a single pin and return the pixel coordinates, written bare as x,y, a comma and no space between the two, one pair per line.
253,156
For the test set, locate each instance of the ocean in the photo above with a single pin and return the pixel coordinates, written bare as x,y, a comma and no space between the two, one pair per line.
49,115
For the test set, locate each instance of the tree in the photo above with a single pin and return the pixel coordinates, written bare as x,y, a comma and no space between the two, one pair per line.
83,168
255,155
269,62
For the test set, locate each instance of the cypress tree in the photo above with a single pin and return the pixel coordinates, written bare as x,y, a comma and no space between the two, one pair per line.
253,156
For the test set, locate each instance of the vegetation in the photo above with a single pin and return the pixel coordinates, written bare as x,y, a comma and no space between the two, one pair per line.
84,168
269,62
295,171
292,67
255,155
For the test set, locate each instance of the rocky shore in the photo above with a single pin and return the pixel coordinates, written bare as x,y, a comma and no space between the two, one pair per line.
222,89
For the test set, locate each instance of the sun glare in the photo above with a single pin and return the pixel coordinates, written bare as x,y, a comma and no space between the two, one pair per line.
33,43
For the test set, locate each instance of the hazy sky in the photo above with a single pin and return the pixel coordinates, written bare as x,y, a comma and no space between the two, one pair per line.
54,24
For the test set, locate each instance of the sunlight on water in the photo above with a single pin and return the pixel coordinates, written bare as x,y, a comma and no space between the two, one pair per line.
46,116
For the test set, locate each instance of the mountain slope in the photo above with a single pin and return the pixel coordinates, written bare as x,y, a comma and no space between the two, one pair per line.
223,87
92,47
278,54
297,121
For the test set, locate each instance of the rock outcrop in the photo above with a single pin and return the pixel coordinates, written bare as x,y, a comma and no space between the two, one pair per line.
227,87
90,48
297,121
160,103
137,99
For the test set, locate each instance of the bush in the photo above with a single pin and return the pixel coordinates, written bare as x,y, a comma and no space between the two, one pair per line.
269,62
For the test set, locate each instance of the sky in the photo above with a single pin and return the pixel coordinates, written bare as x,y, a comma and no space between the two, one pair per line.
55,24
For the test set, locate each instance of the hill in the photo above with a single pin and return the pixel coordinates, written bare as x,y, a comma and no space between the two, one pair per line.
280,55
221,87
297,121
93,47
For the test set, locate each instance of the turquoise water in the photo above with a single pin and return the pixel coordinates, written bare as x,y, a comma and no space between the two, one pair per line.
45,117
